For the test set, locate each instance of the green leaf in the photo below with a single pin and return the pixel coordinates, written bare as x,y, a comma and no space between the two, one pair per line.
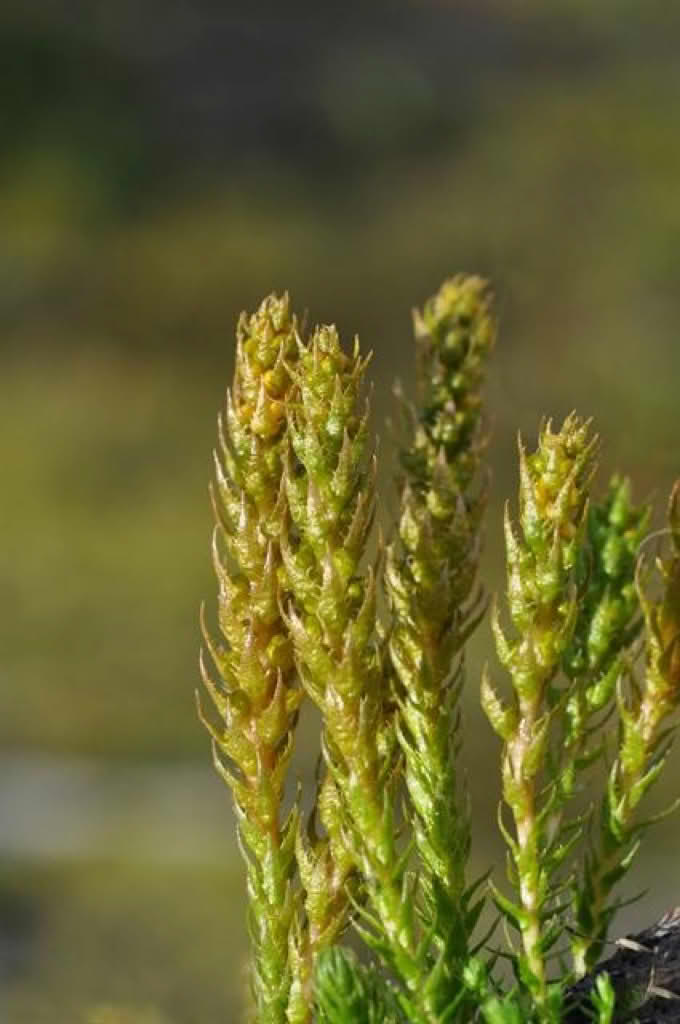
346,992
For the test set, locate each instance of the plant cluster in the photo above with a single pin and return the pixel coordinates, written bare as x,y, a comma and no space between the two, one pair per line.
589,641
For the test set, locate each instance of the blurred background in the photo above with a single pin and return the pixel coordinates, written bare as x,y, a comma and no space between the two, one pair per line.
163,166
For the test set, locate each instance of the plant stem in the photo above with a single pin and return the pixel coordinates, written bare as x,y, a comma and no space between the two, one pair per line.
332,621
429,580
542,602
256,694
644,742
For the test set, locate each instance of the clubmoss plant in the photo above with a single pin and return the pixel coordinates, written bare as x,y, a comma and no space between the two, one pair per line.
331,620
543,608
645,734
384,852
256,693
607,623
430,583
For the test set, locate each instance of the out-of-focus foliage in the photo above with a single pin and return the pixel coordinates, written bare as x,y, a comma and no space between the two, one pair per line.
148,943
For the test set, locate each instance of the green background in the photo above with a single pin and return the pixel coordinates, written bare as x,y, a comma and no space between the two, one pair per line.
165,165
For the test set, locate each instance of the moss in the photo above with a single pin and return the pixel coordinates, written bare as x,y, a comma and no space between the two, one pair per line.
384,850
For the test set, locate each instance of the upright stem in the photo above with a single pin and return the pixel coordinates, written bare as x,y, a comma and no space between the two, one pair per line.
430,577
255,694
644,743
330,485
542,603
